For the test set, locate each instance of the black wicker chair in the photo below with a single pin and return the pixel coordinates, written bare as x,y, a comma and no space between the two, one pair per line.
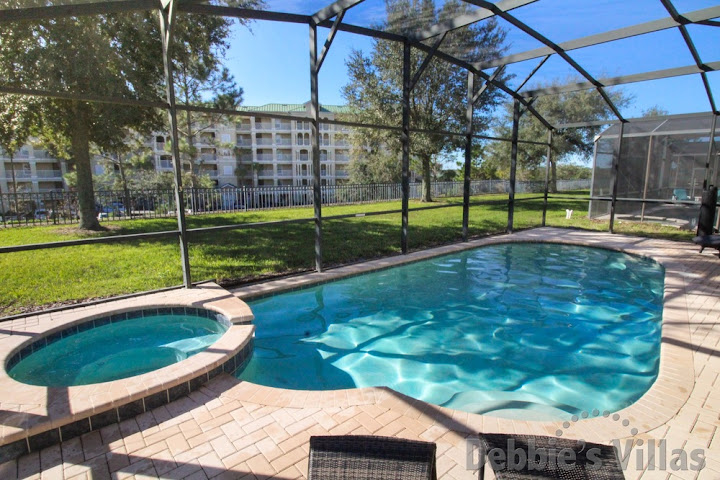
526,457
364,457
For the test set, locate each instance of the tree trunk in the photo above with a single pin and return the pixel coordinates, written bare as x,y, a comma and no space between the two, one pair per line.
126,190
12,169
80,143
552,187
426,187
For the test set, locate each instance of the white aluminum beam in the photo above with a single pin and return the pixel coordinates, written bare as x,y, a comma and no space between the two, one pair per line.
696,16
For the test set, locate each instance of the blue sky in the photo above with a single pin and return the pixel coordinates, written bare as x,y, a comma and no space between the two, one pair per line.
271,63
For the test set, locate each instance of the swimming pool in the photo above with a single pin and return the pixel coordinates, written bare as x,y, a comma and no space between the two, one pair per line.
537,331
117,346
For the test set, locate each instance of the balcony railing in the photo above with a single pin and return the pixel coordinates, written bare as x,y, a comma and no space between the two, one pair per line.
243,127
209,173
264,141
283,141
283,125
266,173
263,126
244,142
284,173
342,158
18,175
245,158
342,174
208,157
49,173
42,154
264,157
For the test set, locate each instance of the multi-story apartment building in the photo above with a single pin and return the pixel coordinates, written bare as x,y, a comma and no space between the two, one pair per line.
32,170
252,151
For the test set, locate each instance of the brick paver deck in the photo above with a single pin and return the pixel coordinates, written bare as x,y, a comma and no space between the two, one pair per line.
233,429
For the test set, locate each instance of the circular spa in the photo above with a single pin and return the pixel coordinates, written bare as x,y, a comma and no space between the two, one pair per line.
534,331
117,346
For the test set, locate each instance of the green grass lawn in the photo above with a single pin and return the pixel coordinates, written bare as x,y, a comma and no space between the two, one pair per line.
40,278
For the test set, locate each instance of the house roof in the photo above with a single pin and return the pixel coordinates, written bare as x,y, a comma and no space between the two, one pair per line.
294,107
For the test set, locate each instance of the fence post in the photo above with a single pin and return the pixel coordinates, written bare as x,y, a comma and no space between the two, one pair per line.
167,19
513,165
547,175
405,138
468,154
615,170
315,143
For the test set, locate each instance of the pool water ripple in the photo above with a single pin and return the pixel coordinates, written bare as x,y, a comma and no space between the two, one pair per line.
536,331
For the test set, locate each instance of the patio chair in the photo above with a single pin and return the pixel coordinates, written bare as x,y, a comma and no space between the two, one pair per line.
706,221
367,457
530,457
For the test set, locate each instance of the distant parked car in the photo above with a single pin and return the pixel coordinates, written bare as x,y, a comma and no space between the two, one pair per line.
41,214
115,209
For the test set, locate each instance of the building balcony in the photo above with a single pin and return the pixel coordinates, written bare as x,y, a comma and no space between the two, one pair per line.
284,173
42,155
244,143
265,157
49,174
283,141
263,126
18,175
342,174
243,127
209,173
265,141
280,125
284,157
266,173
342,158
208,157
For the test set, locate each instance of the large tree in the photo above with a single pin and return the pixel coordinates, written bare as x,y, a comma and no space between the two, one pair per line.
568,144
117,55
107,55
438,101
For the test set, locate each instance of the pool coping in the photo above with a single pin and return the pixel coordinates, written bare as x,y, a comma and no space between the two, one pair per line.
33,417
670,391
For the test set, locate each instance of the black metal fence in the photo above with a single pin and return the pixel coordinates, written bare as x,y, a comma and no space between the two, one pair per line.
60,207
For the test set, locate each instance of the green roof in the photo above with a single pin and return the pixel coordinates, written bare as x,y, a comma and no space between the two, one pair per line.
294,107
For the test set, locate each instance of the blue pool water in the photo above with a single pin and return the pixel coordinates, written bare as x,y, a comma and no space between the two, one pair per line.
537,331
118,350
